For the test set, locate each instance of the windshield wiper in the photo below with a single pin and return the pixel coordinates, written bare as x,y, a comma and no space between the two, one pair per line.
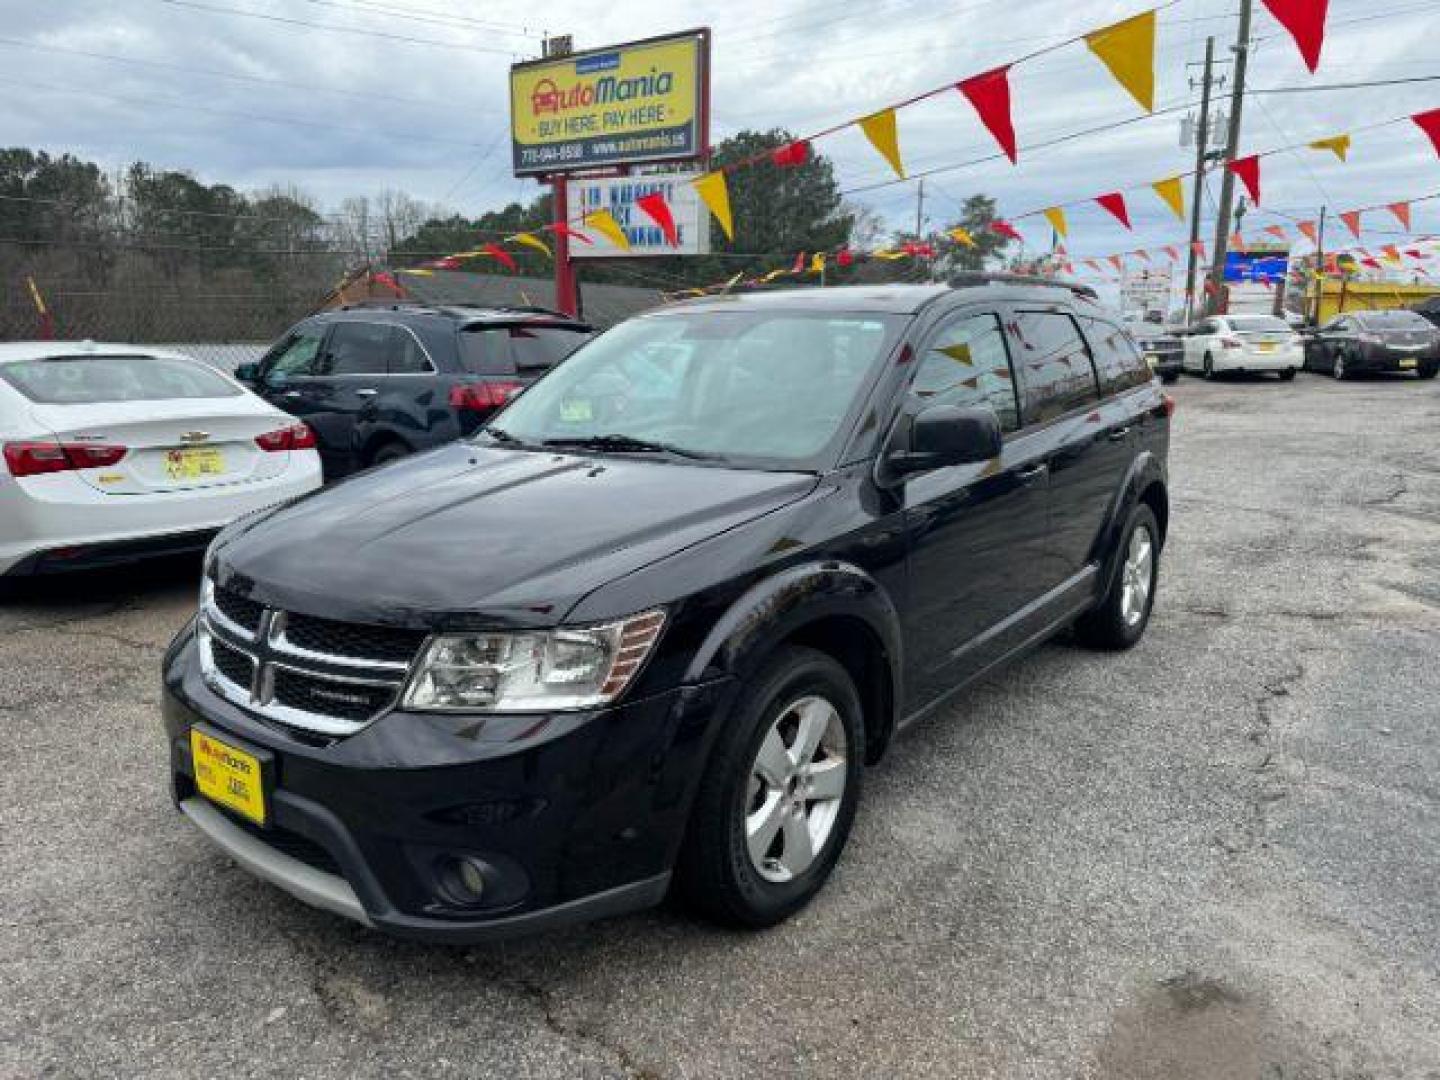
502,436
626,444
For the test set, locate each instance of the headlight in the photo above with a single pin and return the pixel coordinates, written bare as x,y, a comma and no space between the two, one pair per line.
569,668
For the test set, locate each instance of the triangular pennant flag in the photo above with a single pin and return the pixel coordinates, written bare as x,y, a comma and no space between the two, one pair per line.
1005,229
1092,264
879,128
532,241
990,95
1128,50
799,267
658,210
1278,232
1198,246
1143,254
1248,170
1172,192
1308,230
1115,203
887,255
715,194
1429,122
561,229
962,236
1305,20
1117,262
791,154
500,255
1391,252
1173,252
603,222
817,263
1237,242
1351,218
959,352
1401,210
1060,249
1416,254
1337,144
772,275
1373,264
844,257
1056,216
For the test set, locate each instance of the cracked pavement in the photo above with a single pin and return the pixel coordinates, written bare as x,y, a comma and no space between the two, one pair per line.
1217,855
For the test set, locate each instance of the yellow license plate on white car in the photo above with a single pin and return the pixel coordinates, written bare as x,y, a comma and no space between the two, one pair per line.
1265,346
1406,363
194,462
227,775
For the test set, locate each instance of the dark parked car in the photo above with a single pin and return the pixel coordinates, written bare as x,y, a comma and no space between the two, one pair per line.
649,627
1371,341
1430,309
378,382
1163,348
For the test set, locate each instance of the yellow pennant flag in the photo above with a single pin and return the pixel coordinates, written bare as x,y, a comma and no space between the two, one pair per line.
603,222
732,282
715,193
1128,50
887,255
1337,144
817,264
532,241
962,236
773,274
959,352
879,128
417,272
1173,194
1056,216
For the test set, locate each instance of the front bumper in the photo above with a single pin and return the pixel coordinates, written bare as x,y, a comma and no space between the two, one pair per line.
575,816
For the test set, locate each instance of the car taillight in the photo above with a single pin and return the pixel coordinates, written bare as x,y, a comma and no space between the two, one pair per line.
1167,405
38,458
294,437
483,396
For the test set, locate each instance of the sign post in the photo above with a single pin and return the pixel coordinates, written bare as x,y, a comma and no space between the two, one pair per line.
644,102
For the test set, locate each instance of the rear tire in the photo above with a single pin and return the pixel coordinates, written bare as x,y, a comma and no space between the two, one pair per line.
1209,369
1120,619
388,452
1170,377
770,820
1287,374
1337,367
1428,372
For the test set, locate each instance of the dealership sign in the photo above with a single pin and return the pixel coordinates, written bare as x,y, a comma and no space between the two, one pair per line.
618,194
643,102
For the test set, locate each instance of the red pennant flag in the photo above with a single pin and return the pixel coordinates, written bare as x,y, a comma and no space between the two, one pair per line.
1198,247
1005,229
1391,252
1373,264
658,211
561,229
1117,262
1209,286
500,255
1277,232
1143,254
1115,203
1416,253
1237,242
791,154
844,257
1092,264
799,267
1308,230
1248,170
1305,20
1173,252
990,94
1351,218
1401,210
1430,124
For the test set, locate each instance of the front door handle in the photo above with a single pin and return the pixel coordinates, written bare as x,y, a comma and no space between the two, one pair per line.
294,395
1120,434
1033,473
366,392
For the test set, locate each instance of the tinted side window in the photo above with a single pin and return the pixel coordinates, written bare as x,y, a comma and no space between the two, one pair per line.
537,348
359,348
406,355
486,352
1118,361
1056,374
967,365
296,356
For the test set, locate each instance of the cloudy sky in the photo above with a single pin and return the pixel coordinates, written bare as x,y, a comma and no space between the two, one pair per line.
346,97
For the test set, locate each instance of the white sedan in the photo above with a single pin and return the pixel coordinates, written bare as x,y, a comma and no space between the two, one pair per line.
1255,343
115,452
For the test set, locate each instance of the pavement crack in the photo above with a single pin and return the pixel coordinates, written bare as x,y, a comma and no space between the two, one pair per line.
1399,488
1266,783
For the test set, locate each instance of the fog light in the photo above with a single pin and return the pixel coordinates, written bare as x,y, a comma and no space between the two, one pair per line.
464,879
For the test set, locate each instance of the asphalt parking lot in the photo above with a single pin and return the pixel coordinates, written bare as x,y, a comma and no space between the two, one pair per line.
1217,855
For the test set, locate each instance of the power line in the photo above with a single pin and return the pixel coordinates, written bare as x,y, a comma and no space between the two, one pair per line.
429,15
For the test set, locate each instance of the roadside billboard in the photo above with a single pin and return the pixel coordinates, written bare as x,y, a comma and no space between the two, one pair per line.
1257,264
618,194
645,101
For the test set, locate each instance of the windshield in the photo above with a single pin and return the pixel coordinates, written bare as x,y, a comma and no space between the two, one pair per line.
1394,320
88,380
766,389
1258,324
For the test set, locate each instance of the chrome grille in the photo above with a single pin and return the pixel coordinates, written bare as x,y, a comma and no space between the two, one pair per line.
317,675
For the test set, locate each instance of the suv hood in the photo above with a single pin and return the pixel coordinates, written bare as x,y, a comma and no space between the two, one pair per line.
470,535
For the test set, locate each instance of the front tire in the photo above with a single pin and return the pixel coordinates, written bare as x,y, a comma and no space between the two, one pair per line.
1122,616
1337,367
1287,374
778,797
1209,369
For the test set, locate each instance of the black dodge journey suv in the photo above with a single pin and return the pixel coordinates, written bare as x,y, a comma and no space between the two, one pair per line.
646,629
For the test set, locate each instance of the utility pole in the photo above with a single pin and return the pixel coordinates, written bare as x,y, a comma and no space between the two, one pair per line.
1232,147
1202,154
1319,276
920,210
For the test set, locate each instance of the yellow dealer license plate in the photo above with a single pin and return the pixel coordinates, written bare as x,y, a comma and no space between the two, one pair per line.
1407,362
229,776
194,463
1266,346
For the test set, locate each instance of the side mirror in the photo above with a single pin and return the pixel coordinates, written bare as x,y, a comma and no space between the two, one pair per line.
949,435
249,374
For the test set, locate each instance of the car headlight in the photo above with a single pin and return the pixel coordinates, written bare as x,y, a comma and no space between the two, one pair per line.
539,671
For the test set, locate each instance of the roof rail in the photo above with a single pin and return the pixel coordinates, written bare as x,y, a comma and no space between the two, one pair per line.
981,277
383,305
533,309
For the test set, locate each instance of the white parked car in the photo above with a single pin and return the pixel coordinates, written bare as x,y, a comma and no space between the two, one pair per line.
1255,343
115,452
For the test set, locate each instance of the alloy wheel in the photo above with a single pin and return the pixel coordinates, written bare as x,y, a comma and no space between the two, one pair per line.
796,788
1137,576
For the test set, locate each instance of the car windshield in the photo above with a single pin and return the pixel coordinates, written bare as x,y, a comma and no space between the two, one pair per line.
89,380
1394,320
761,389
1259,324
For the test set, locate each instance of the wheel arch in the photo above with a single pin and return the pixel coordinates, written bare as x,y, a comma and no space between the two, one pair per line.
383,437
1144,483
